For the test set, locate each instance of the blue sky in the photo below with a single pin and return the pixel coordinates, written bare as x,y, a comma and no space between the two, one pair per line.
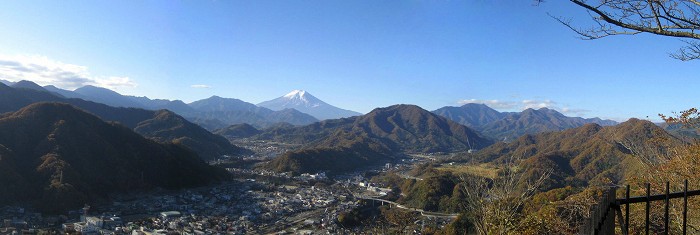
357,55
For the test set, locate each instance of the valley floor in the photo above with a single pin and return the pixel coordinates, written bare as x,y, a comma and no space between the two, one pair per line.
253,202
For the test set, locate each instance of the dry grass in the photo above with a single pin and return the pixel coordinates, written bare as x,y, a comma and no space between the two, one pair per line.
484,169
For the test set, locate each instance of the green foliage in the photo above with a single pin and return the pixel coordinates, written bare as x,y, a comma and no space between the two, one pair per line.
424,170
398,217
363,213
436,193
459,226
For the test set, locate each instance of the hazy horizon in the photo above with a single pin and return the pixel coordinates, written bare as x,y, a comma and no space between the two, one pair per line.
354,55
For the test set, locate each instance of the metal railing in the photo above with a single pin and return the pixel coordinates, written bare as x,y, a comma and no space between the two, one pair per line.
602,220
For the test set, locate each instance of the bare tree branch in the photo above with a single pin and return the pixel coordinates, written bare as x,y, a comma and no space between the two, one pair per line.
642,23
690,52
671,18
494,205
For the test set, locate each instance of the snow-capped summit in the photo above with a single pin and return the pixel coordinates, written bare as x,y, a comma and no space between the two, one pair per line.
307,103
295,93
299,96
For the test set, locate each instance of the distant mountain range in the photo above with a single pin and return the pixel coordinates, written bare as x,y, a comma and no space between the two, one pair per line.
234,111
307,103
404,127
510,125
345,144
6,82
409,128
59,157
161,125
212,113
67,146
301,108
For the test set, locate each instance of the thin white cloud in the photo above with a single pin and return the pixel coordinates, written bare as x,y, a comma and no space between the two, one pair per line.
495,104
45,71
573,111
200,86
538,104
527,104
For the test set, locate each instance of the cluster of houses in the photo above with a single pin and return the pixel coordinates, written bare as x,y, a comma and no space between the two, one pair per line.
17,220
375,188
310,202
96,225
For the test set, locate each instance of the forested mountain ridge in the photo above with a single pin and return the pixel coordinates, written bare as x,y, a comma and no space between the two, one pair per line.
511,125
348,143
60,157
584,155
12,99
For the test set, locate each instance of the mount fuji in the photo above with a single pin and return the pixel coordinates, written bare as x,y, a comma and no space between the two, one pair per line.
307,103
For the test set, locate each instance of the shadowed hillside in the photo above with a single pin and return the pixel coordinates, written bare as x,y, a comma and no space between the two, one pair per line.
350,154
166,128
60,157
238,131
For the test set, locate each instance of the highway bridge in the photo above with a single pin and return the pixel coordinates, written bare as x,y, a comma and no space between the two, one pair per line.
429,214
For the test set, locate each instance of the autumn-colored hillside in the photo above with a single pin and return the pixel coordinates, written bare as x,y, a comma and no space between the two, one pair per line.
60,157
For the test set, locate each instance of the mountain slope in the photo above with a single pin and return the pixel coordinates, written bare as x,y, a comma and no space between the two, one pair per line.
214,112
307,103
13,99
176,106
349,155
471,115
61,157
235,111
6,82
415,129
216,103
531,121
24,84
509,126
167,126
346,144
64,93
305,134
407,127
583,155
238,131
106,96
112,98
